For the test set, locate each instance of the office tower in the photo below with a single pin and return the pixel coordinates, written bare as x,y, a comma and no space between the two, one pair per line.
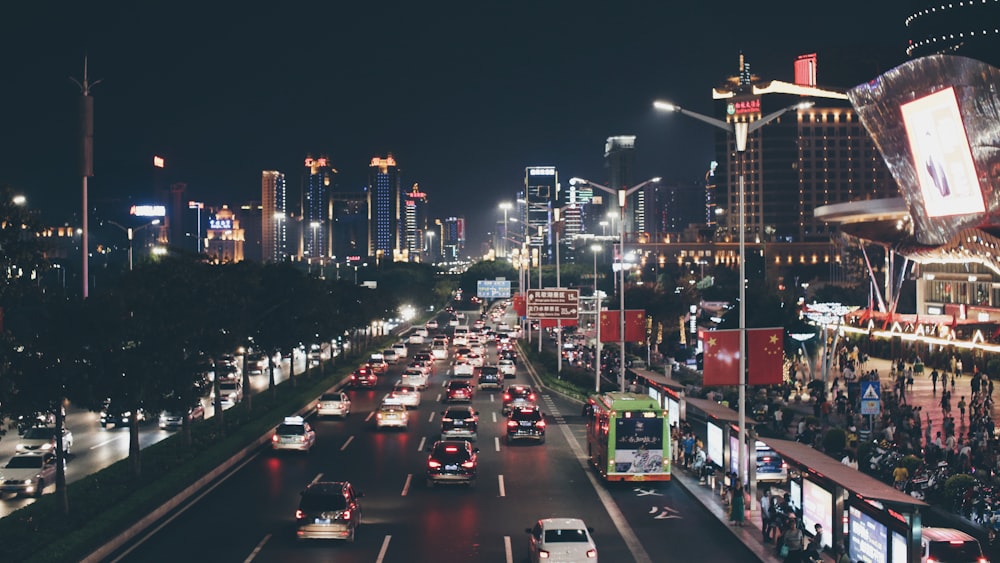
250,221
383,208
350,226
804,159
619,159
414,224
540,189
274,217
317,183
969,29
452,238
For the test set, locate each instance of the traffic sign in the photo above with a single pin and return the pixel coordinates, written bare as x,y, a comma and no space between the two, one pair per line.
871,397
553,303
493,289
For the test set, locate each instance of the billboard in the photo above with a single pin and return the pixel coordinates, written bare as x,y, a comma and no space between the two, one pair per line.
941,155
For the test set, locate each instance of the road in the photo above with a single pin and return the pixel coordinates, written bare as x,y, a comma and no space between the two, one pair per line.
249,516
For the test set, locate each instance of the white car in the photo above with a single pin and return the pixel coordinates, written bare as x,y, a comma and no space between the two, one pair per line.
334,404
476,359
43,439
463,368
390,356
561,539
439,350
408,395
477,347
453,321
416,338
431,324
414,377
507,367
401,350
29,473
231,393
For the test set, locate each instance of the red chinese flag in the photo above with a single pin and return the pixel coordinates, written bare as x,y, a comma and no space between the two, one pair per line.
722,357
610,329
765,356
519,304
635,325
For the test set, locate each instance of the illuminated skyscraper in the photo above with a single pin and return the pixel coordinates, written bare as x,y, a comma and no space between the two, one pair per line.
383,208
540,189
317,212
619,159
969,29
274,216
414,223
452,239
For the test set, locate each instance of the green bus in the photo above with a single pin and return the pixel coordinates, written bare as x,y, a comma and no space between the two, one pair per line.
628,437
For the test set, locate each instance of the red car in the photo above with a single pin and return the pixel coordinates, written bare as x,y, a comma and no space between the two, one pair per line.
363,377
458,390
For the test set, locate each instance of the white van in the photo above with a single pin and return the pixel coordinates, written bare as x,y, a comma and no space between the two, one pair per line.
460,337
946,545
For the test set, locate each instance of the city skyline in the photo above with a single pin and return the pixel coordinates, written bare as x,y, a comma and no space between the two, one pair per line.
465,102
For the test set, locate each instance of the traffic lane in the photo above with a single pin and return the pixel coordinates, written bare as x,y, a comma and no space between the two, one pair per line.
659,513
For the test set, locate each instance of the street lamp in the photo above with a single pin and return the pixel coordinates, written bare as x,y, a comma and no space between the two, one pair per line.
199,205
740,130
595,248
505,206
623,194
430,244
129,231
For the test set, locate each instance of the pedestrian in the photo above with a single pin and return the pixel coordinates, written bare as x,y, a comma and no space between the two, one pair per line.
766,514
688,445
840,554
961,409
816,543
934,378
737,506
953,383
790,544
778,426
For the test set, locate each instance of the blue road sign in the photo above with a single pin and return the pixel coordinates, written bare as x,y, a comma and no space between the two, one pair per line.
493,289
871,397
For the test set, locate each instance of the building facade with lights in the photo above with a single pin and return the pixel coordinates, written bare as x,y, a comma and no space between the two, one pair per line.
383,208
414,228
452,238
541,192
969,28
274,216
619,159
318,181
224,238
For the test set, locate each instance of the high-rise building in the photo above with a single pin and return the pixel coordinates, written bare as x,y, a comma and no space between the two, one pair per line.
317,184
969,29
802,160
414,224
350,226
452,238
274,216
619,159
541,185
383,208
224,237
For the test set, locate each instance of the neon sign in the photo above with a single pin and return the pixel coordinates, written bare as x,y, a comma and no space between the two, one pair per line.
743,107
220,224
148,211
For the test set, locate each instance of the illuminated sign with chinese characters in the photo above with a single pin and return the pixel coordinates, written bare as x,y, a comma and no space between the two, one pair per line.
743,107
549,171
148,211
220,224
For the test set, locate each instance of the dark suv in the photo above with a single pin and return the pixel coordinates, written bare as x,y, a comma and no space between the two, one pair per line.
525,423
490,378
452,461
459,422
328,510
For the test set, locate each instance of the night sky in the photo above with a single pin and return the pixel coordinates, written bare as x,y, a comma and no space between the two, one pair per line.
464,95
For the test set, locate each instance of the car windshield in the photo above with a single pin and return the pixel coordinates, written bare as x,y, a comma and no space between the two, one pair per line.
330,397
291,429
565,536
458,413
24,462
314,502
526,415
228,386
39,433
457,385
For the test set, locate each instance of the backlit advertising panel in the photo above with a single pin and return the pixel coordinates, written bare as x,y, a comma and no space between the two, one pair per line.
795,493
868,538
817,508
899,548
945,170
715,443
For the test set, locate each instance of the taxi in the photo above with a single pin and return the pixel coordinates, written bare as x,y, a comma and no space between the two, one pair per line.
392,414
294,433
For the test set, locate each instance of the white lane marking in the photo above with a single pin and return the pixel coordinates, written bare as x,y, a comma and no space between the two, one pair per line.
420,446
507,549
431,417
494,416
492,399
316,478
385,547
347,443
370,415
106,442
438,398
503,492
496,443
639,554
406,485
257,549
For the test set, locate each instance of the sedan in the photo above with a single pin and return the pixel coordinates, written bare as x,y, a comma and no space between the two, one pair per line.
293,434
328,510
363,378
391,414
431,324
452,462
463,368
507,367
43,439
174,418
475,359
561,539
334,404
458,391
408,395
414,377
29,473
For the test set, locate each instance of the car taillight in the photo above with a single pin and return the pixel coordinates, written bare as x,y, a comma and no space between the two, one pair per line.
542,554
540,424
591,554
531,397
378,416
275,438
345,515
433,464
445,419
506,397
511,424
468,464
299,515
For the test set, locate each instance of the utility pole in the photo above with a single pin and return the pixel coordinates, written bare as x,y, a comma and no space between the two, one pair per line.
86,163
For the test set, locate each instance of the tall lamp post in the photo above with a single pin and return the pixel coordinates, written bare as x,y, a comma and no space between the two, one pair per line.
506,206
129,231
622,199
740,130
199,205
595,248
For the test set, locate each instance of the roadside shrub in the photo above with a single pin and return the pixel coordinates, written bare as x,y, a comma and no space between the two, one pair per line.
911,463
957,485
